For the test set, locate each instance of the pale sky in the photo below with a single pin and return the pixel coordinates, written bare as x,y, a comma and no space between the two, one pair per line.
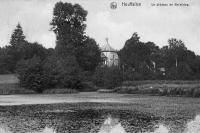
156,24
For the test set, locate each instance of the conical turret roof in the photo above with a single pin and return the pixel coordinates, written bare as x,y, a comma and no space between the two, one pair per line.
107,47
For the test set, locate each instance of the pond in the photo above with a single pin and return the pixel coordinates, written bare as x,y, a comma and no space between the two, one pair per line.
92,121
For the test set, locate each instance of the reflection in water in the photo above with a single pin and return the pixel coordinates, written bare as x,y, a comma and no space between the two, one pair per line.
111,125
193,126
161,129
3,130
80,121
47,130
89,121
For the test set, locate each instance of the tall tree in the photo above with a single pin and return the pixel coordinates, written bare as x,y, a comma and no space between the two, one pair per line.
178,60
137,54
17,42
21,49
139,58
88,55
127,54
68,24
17,36
177,49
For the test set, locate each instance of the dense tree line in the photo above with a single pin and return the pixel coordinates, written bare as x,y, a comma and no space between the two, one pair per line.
19,49
141,61
73,60
76,58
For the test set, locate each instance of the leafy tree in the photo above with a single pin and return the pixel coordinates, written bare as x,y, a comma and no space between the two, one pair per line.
177,50
178,60
75,52
20,49
70,73
138,57
7,60
153,55
30,50
32,75
107,77
63,72
4,61
142,61
127,54
69,20
24,51
88,55
98,77
68,24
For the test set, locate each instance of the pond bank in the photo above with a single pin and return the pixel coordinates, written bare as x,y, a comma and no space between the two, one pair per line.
156,104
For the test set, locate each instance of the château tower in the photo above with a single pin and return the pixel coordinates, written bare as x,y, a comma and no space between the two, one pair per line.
109,55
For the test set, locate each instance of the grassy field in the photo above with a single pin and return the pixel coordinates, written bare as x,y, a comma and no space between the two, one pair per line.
166,88
143,82
8,79
9,85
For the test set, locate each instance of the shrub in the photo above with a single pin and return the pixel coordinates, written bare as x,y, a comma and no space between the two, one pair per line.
64,72
127,89
98,77
32,75
152,82
107,77
88,87
191,90
60,91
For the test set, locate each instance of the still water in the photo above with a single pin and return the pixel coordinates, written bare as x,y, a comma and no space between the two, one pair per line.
93,121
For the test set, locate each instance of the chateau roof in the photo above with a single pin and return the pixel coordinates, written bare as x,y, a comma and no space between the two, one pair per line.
107,47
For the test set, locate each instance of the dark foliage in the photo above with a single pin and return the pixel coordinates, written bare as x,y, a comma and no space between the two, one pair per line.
32,75
75,53
88,55
142,61
17,36
107,77
64,72
20,49
68,23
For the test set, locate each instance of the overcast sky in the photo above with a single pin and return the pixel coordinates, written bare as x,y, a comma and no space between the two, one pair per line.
156,24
